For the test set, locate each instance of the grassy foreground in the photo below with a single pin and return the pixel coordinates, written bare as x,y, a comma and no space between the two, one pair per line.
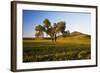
69,48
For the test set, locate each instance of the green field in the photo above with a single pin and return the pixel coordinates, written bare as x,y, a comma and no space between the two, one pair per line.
68,48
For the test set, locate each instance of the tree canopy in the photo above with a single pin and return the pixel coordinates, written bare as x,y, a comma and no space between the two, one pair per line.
47,23
52,31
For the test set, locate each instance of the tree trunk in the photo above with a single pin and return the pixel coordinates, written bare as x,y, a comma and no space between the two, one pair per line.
55,37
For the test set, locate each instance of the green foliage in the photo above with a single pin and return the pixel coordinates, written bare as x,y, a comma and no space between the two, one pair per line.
50,31
60,27
47,23
39,28
39,31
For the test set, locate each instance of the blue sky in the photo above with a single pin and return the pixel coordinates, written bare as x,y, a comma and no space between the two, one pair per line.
75,21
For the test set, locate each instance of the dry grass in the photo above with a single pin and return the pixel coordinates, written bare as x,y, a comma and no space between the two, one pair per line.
69,48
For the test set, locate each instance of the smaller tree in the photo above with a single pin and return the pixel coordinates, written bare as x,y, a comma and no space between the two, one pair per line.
39,31
39,34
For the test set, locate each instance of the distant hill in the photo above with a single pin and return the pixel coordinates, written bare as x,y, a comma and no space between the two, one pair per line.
79,34
76,34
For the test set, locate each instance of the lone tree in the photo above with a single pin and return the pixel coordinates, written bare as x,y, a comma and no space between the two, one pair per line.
52,31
